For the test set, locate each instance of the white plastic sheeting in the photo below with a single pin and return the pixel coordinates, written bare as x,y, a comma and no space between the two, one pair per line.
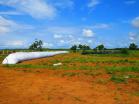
22,56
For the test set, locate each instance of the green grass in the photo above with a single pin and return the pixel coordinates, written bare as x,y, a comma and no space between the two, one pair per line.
2,58
25,66
136,93
70,62
92,73
119,79
113,69
51,67
123,78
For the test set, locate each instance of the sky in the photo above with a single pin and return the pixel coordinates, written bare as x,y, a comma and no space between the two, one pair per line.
63,23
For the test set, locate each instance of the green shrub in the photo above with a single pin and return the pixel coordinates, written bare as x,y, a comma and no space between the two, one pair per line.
124,51
118,79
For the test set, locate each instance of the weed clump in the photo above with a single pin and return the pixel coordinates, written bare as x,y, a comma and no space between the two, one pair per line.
119,79
70,74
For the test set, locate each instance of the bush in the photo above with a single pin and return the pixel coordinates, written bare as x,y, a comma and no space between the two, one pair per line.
85,52
118,79
124,51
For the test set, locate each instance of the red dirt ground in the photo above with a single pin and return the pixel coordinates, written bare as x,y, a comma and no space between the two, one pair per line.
44,86
50,87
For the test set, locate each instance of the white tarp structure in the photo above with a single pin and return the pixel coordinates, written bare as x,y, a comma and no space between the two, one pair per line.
22,56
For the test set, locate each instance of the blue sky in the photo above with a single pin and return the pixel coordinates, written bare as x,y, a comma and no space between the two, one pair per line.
62,23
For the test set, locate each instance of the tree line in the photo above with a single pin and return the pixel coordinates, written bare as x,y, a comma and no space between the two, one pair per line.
38,46
100,48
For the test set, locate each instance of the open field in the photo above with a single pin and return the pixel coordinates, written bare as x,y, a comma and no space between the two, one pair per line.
81,79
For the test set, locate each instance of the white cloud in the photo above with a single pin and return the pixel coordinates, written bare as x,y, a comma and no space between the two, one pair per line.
39,9
88,33
14,43
101,26
9,26
17,43
75,42
4,30
70,36
62,30
63,38
133,36
5,22
47,45
80,39
6,25
129,2
35,8
135,22
90,41
62,41
10,13
68,42
93,3
57,36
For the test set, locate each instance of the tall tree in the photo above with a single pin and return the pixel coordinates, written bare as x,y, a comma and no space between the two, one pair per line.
80,46
100,47
74,48
36,45
133,46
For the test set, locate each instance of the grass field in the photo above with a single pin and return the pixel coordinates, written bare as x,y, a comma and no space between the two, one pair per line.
81,79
